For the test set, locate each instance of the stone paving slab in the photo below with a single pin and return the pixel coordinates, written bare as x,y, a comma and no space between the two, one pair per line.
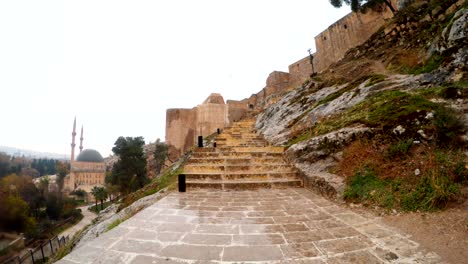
290,225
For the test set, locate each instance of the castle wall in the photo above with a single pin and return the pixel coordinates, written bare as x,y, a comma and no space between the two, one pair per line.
348,32
210,117
299,72
180,130
236,110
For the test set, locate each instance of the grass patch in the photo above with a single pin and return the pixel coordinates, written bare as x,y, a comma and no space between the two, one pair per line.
382,110
298,137
374,179
168,179
433,63
376,78
98,208
399,149
302,137
432,192
455,90
385,110
366,187
114,224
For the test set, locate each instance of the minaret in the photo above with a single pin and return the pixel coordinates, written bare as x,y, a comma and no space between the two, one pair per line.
73,142
81,140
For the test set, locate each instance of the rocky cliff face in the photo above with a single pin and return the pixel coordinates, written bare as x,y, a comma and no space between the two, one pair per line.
321,118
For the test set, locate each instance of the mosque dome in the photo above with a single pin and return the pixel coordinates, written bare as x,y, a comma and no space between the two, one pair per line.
89,155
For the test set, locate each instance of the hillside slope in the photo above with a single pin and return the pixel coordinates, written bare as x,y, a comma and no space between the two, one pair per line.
391,116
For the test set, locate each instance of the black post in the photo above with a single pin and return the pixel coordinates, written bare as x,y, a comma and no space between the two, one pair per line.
214,145
311,57
42,251
51,247
182,185
219,131
32,256
200,141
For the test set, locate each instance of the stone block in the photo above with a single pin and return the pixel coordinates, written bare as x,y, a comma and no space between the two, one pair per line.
192,252
252,253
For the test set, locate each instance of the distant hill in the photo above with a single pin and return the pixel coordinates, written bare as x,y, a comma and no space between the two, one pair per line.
32,153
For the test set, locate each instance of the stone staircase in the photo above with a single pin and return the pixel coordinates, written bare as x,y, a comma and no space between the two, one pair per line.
241,159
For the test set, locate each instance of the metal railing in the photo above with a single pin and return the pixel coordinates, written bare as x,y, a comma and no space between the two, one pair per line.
39,254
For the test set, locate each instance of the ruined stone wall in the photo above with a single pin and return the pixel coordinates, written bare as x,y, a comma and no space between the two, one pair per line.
180,130
276,82
183,126
348,32
237,110
210,117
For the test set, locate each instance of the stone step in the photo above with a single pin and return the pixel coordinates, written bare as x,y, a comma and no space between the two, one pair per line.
241,139
238,168
244,185
205,149
269,149
236,154
233,176
239,160
242,159
241,145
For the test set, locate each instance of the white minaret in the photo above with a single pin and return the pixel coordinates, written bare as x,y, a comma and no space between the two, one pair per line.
73,142
81,140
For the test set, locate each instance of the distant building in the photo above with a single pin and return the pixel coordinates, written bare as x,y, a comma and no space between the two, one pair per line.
87,171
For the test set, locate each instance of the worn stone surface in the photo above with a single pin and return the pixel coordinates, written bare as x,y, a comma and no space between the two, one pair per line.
273,226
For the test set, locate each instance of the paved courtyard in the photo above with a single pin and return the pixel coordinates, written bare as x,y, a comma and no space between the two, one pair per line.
264,226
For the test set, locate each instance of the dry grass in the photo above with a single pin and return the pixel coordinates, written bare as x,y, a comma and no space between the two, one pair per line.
391,181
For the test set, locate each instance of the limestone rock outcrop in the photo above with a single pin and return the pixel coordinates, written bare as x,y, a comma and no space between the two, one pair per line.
456,33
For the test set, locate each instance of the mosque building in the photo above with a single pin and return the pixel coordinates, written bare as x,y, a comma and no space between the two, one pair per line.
87,171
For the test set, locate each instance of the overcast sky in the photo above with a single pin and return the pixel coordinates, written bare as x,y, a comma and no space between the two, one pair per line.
118,65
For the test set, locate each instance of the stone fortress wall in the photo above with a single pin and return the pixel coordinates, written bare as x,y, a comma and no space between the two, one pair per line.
348,32
184,125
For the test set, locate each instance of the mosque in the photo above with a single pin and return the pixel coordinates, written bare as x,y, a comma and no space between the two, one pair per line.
87,171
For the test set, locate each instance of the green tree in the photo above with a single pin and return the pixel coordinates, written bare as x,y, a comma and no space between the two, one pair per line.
4,164
112,190
357,5
79,193
54,206
160,155
23,187
62,171
129,172
95,193
44,186
100,194
15,214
